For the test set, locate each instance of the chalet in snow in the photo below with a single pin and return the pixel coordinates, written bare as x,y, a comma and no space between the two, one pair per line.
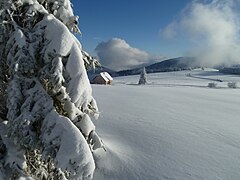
103,78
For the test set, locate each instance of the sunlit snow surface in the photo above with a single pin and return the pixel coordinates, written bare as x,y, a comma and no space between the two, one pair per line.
175,127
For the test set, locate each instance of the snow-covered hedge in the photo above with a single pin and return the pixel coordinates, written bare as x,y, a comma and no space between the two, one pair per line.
232,84
212,85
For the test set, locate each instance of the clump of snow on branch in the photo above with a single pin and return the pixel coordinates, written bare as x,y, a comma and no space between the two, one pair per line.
73,154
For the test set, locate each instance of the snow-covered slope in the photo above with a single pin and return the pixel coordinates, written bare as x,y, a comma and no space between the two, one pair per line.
173,128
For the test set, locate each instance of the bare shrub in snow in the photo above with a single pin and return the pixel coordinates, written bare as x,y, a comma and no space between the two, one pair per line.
143,77
232,85
46,101
212,85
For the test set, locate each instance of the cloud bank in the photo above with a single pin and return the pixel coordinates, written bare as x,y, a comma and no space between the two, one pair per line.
117,54
213,27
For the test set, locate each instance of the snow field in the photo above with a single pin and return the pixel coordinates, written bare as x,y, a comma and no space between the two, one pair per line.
173,128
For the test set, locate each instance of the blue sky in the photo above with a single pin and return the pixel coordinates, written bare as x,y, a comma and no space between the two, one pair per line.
137,22
130,33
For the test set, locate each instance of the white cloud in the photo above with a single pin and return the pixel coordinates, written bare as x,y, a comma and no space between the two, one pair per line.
117,54
170,31
214,27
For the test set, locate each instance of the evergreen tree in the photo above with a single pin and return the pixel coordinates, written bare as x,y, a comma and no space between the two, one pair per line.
46,102
143,77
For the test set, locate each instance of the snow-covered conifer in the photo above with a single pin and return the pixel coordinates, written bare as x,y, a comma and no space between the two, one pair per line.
46,102
143,77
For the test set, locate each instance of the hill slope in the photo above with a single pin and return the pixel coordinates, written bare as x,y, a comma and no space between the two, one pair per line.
175,64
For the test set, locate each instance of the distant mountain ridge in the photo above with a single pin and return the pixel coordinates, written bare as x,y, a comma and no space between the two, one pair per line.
173,64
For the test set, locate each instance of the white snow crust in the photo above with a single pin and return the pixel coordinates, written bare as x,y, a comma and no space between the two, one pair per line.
175,127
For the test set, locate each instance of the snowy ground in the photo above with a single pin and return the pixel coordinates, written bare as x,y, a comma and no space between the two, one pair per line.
173,128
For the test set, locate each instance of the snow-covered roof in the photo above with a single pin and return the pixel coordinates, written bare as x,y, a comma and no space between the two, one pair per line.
106,76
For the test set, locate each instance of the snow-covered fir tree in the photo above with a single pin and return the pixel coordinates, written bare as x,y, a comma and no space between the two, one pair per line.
46,102
143,77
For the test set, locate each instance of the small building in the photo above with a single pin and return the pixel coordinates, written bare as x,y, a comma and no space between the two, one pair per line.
102,78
